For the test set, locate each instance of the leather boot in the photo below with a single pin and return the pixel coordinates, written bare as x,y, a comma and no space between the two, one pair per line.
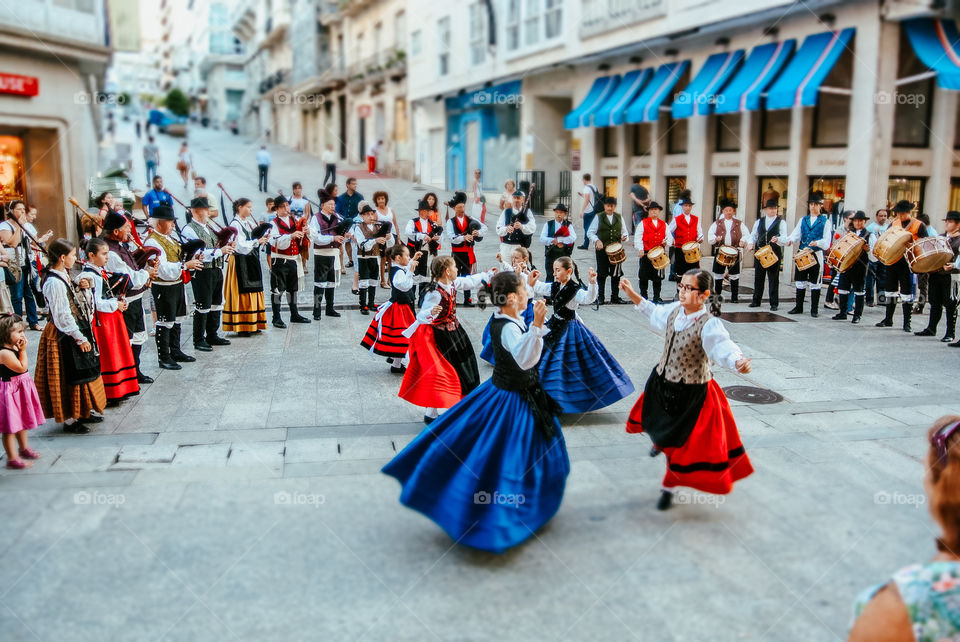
163,349
467,299
936,313
176,353
907,313
213,325
328,296
843,299
798,307
887,321
363,300
275,306
295,316
815,303
858,301
317,304
142,378
951,325
735,291
371,295
199,330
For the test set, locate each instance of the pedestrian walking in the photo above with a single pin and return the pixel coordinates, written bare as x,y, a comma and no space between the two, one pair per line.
263,166
329,159
151,158
184,163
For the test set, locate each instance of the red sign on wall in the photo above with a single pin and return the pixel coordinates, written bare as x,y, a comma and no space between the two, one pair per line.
19,85
363,111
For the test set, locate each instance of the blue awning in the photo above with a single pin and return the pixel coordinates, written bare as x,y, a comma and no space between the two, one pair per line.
599,92
702,91
762,66
646,107
612,111
800,81
937,44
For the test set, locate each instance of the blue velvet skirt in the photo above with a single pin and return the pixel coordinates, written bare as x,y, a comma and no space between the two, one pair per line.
487,352
579,372
483,472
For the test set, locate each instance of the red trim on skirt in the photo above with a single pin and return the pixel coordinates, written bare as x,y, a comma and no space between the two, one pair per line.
117,366
430,381
390,342
712,458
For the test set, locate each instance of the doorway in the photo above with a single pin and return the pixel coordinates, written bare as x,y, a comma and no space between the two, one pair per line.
342,108
902,188
834,188
362,127
726,188
610,186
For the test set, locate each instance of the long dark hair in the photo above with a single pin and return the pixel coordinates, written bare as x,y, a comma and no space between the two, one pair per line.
436,200
57,250
705,283
240,202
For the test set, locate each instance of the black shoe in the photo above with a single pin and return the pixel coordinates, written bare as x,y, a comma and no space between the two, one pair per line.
734,300
616,300
203,347
926,332
93,419
468,303
278,323
218,341
76,428
170,365
354,292
244,334
947,339
795,310
396,370
666,498
601,301
840,316
299,319
428,420
182,357
814,313
317,317
654,451
142,378
753,304
332,313
113,403
955,344
365,310
658,301
349,264
883,323
856,320
774,308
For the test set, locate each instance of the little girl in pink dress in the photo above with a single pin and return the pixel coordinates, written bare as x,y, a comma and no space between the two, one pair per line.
20,409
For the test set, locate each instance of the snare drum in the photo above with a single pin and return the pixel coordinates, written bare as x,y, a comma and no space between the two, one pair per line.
727,256
805,260
615,253
766,256
658,258
892,245
929,254
691,252
845,252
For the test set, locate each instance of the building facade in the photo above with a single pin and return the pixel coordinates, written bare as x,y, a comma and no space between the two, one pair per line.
50,59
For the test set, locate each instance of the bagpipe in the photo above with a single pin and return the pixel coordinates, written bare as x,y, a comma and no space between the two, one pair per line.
302,223
473,226
431,247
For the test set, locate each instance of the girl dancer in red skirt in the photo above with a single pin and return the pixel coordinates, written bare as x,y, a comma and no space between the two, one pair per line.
682,408
443,366
385,334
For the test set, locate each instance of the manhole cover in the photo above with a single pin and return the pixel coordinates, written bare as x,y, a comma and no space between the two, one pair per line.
755,317
749,394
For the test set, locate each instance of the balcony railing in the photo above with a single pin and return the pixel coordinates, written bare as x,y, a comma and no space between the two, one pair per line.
274,80
391,63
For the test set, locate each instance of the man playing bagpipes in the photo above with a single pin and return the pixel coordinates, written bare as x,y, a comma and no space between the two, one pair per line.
285,255
423,235
373,238
328,232
463,232
516,225
558,238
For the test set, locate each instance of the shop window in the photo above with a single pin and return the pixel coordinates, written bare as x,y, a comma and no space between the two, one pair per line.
903,188
727,188
11,169
676,136
728,132
640,135
675,184
478,33
443,46
608,141
912,102
831,115
954,194
833,188
772,187
775,129
610,186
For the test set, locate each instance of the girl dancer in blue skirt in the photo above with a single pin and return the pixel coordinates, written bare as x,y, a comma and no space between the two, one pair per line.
576,369
519,262
492,469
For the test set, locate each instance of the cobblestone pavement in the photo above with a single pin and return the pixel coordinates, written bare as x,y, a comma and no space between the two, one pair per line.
241,497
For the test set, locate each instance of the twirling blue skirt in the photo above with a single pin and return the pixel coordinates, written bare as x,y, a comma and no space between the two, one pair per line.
487,352
579,372
483,472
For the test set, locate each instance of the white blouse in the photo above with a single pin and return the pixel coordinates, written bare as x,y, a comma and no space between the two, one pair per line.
243,227
716,341
138,278
525,344
432,298
451,230
102,304
58,302
403,279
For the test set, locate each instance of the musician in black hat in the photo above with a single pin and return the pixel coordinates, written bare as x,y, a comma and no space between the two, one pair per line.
944,286
373,239
516,225
328,232
120,260
463,232
167,287
684,228
814,233
423,235
728,232
899,278
854,278
558,237
605,230
207,282
284,258
768,230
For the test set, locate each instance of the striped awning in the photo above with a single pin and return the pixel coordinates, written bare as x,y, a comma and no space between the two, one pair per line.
937,44
613,110
761,67
799,84
601,90
646,106
703,90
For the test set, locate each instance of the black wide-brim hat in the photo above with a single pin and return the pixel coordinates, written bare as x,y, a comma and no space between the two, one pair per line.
859,215
560,207
953,215
162,213
113,221
771,202
903,206
815,197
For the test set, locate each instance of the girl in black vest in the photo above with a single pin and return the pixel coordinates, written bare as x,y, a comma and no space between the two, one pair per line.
576,369
385,334
682,407
492,470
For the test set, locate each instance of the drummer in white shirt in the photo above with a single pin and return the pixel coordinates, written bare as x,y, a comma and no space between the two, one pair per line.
813,231
728,232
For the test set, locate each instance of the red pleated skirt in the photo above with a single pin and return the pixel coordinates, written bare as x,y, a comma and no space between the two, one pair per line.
385,337
430,380
117,367
712,458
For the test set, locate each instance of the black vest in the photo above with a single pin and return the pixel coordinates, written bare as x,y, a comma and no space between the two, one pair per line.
561,295
507,375
516,237
399,296
120,249
764,235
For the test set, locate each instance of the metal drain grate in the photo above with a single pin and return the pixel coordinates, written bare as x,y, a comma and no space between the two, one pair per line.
749,394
